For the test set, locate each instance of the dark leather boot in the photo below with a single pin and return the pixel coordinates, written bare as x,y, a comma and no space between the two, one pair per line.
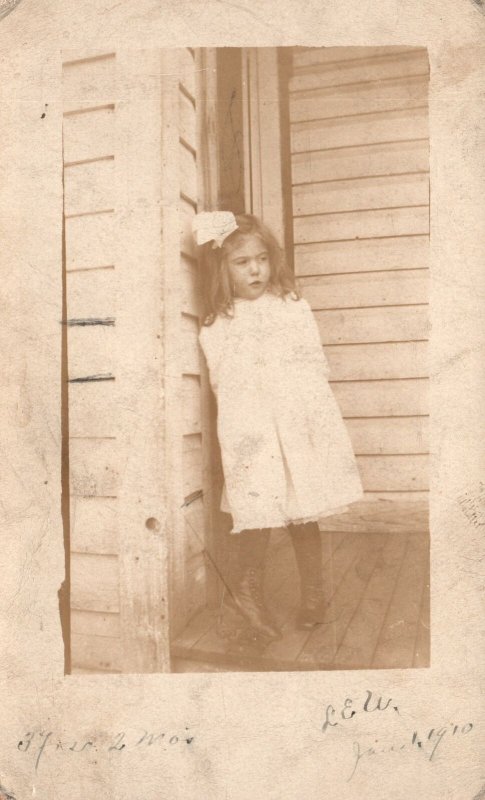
308,552
249,599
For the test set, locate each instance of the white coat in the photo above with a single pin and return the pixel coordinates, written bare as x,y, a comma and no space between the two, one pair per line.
286,453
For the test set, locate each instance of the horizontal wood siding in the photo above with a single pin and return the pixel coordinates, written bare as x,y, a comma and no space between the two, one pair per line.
112,198
89,203
188,575
359,143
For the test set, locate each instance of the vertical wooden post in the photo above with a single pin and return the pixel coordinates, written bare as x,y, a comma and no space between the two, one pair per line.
146,218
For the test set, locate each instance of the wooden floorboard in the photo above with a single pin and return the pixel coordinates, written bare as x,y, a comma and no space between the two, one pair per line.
377,590
361,637
398,635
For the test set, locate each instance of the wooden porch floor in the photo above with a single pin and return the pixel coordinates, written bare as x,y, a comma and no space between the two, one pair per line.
377,591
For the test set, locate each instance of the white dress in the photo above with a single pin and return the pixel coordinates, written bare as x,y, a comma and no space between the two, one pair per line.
286,453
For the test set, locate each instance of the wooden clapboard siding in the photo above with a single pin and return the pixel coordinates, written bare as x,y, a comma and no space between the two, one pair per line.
362,255
121,223
188,577
360,153
89,93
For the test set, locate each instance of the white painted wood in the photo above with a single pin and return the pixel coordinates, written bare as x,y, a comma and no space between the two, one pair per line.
96,653
309,56
188,173
91,349
94,525
94,467
91,294
394,473
356,71
90,241
190,353
93,623
366,289
93,408
382,126
89,136
405,252
394,435
361,161
94,582
382,398
362,224
372,361
384,192
387,324
191,398
89,187
359,98
187,121
89,83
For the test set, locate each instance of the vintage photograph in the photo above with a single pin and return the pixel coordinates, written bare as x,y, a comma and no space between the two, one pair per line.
245,406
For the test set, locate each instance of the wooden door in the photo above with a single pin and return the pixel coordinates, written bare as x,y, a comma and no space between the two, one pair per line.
360,196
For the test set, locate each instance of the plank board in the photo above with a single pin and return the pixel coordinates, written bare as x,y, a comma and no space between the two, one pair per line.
93,409
195,584
377,361
192,470
309,56
382,398
187,69
94,525
362,255
190,296
361,636
94,583
86,84
347,578
396,65
396,473
361,224
191,404
89,136
97,653
189,346
92,350
188,173
356,98
89,187
397,640
384,324
91,294
366,289
365,193
194,528
187,121
94,467
93,623
389,435
187,244
398,512
392,158
364,129
90,241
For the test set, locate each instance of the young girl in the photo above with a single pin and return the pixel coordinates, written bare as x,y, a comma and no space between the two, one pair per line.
286,454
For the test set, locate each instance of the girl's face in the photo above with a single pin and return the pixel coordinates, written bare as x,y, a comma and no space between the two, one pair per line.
249,268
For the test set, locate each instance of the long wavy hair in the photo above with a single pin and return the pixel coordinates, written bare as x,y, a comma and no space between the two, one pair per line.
215,285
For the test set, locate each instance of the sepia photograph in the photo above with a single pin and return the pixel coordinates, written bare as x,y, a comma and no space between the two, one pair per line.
245,408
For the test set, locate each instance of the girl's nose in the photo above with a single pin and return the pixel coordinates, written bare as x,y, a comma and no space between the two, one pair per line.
253,267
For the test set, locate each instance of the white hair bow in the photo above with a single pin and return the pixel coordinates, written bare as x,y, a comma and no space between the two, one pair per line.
213,226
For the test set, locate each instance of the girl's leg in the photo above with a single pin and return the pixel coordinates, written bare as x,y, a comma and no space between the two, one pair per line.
308,552
249,598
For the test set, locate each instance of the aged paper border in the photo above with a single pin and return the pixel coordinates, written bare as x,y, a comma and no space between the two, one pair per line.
240,735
